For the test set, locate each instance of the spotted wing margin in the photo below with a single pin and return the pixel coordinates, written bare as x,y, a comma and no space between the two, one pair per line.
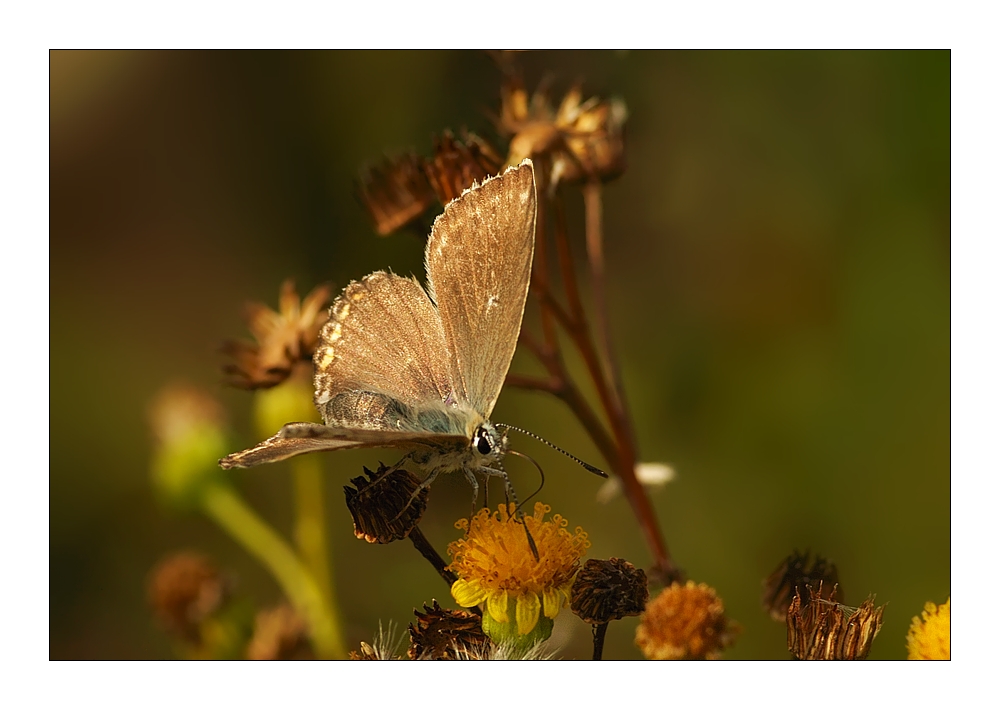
306,437
478,268
383,335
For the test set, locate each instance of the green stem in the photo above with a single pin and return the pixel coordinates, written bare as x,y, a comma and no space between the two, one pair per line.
310,523
231,513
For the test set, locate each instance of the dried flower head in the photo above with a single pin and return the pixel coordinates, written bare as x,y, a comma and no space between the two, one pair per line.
495,564
396,192
929,638
824,630
457,164
279,634
384,507
685,622
585,140
400,190
607,590
447,634
796,573
284,338
184,590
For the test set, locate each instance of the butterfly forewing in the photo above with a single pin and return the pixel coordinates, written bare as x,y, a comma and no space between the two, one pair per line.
478,268
306,437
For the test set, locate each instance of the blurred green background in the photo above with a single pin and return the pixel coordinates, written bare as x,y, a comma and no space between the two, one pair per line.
778,269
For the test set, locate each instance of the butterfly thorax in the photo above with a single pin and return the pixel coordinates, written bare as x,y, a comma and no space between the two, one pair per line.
480,453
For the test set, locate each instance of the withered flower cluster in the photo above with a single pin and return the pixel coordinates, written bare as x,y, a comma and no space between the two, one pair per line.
685,622
447,635
795,573
608,590
184,590
284,338
387,505
399,191
821,629
579,141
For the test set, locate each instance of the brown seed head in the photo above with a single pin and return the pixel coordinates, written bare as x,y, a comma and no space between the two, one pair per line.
685,622
400,190
607,590
824,630
447,635
279,634
796,572
376,503
284,338
396,192
457,164
183,590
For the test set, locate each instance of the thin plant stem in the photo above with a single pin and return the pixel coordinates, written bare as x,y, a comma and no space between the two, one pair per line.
310,523
425,548
233,515
593,211
600,630
619,447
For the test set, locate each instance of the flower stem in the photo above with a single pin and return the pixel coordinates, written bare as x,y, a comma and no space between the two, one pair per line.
310,523
425,548
232,514
600,630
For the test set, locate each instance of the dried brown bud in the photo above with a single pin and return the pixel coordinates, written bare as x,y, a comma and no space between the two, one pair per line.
447,635
824,630
685,621
795,572
457,164
396,192
279,634
284,338
384,507
607,590
185,589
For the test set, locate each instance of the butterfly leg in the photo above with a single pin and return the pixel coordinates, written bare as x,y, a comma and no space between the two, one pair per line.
470,476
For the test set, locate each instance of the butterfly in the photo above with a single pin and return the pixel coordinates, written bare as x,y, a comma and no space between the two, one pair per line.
399,366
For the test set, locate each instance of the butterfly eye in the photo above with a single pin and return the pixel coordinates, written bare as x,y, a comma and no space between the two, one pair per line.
483,443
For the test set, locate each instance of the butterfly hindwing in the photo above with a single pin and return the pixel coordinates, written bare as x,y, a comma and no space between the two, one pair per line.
384,335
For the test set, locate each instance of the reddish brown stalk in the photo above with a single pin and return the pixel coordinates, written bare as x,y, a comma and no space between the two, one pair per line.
562,387
622,450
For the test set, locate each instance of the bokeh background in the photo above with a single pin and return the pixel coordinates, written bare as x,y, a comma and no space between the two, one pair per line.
778,270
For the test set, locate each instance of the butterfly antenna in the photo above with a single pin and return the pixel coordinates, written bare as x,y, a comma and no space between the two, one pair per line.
541,473
593,469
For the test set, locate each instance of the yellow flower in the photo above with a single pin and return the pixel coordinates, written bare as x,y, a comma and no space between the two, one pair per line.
686,621
930,639
495,564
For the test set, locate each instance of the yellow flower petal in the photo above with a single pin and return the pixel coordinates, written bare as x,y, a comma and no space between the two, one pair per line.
496,605
468,593
528,608
551,602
